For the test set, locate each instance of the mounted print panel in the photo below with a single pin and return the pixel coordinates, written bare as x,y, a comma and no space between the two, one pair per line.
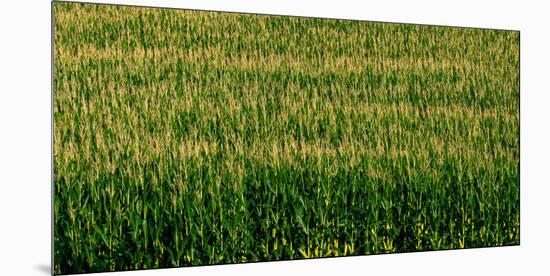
186,138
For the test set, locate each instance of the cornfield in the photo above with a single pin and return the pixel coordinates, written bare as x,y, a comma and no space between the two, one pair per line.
188,138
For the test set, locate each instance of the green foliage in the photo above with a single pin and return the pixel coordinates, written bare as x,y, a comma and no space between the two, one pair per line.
190,138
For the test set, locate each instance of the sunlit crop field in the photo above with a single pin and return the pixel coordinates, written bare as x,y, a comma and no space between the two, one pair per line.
191,138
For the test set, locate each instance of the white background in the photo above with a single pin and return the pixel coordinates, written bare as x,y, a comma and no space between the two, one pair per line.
25,121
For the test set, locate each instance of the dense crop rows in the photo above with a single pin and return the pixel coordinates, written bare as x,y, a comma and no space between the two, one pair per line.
191,138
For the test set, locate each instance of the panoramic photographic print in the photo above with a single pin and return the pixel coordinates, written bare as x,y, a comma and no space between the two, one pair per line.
186,138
